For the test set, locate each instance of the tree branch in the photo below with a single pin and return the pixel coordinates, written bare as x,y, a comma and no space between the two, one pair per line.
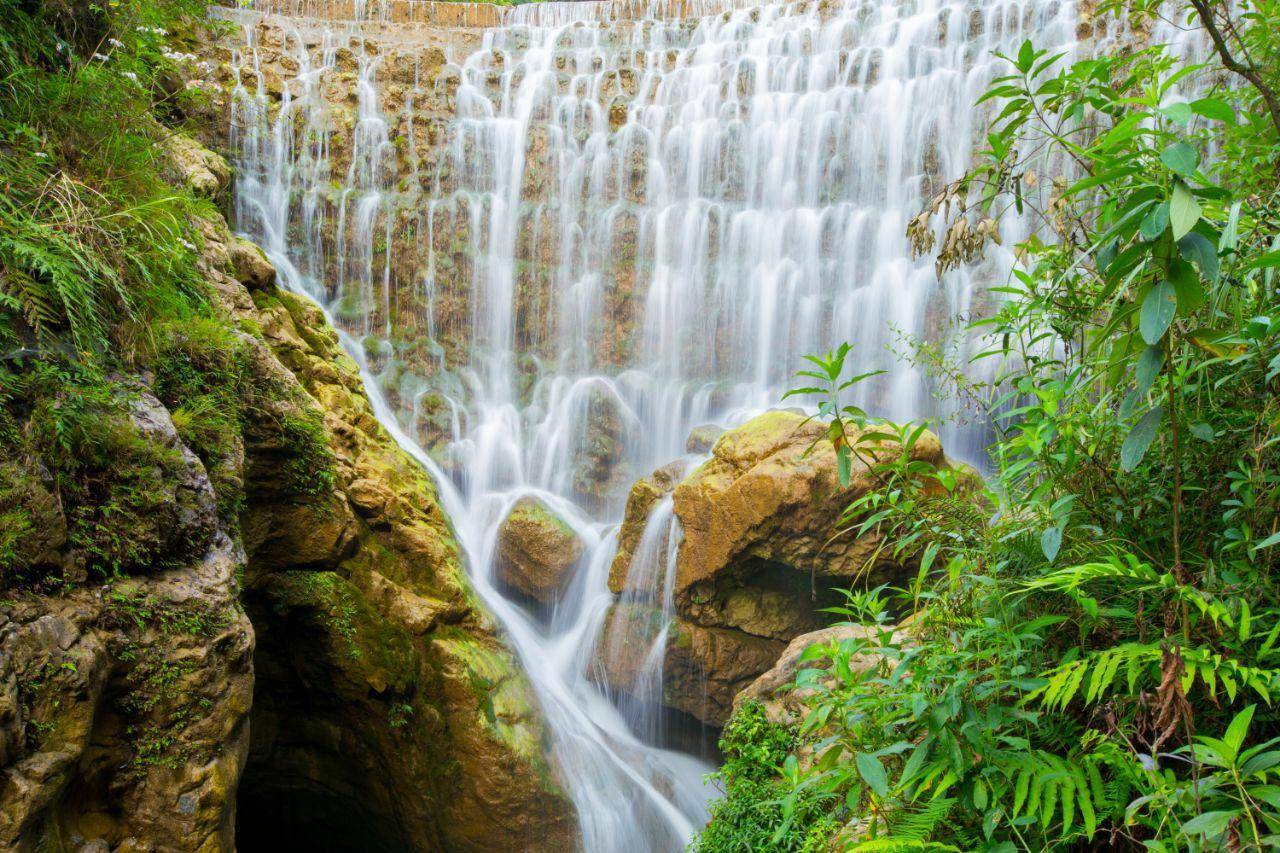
1229,61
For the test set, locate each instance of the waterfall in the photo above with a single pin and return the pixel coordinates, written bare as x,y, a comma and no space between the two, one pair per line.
595,226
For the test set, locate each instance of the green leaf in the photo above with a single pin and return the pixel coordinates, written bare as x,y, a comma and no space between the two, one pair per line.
1139,439
1158,308
1197,249
1268,259
1026,56
1180,158
844,465
1202,431
1149,364
1050,542
1106,255
872,772
1154,223
1238,730
1186,284
1180,113
1209,824
1214,109
1184,210
1273,539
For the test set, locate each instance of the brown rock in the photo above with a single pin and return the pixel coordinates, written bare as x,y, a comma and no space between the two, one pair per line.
766,496
757,561
536,550
193,165
644,493
775,690
703,438
251,265
703,668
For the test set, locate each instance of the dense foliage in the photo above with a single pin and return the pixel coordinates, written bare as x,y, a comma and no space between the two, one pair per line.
102,294
1093,654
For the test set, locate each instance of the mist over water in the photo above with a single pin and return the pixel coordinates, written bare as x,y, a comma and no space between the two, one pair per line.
733,181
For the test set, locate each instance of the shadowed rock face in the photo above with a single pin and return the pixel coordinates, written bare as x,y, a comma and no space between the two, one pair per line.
758,557
124,707
384,698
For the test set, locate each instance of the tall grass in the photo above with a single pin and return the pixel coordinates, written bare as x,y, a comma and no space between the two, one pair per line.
91,235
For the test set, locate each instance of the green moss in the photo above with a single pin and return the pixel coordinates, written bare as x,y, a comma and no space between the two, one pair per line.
309,467
116,484
534,512
505,705
204,376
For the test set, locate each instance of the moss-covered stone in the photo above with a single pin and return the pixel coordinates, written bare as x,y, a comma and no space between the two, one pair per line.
536,551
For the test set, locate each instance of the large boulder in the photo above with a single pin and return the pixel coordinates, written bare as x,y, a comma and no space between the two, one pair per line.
760,554
536,551
770,495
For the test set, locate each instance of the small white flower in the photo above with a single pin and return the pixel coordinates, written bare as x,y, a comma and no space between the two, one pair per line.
116,43
130,75
98,57
188,246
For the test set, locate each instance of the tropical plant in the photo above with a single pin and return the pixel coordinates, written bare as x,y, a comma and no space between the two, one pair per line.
1086,651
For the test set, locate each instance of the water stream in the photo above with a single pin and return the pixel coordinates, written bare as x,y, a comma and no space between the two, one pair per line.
648,214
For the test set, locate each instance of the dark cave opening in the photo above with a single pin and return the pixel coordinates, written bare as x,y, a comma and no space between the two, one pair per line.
311,780
276,813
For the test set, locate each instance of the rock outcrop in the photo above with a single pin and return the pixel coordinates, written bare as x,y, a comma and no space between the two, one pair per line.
289,650
536,551
124,706
759,555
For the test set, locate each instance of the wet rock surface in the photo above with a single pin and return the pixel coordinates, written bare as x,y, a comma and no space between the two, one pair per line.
536,551
124,706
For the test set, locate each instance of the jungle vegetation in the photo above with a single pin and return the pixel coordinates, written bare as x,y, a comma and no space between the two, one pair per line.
1092,659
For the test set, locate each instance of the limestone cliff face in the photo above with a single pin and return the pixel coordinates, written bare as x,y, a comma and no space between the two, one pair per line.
289,653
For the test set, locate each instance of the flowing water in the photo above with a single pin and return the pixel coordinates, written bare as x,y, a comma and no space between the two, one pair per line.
637,219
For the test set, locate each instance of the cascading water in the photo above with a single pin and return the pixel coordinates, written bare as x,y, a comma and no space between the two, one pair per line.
637,219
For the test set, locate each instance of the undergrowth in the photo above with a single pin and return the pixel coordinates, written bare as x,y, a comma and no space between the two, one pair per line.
101,295
1093,653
